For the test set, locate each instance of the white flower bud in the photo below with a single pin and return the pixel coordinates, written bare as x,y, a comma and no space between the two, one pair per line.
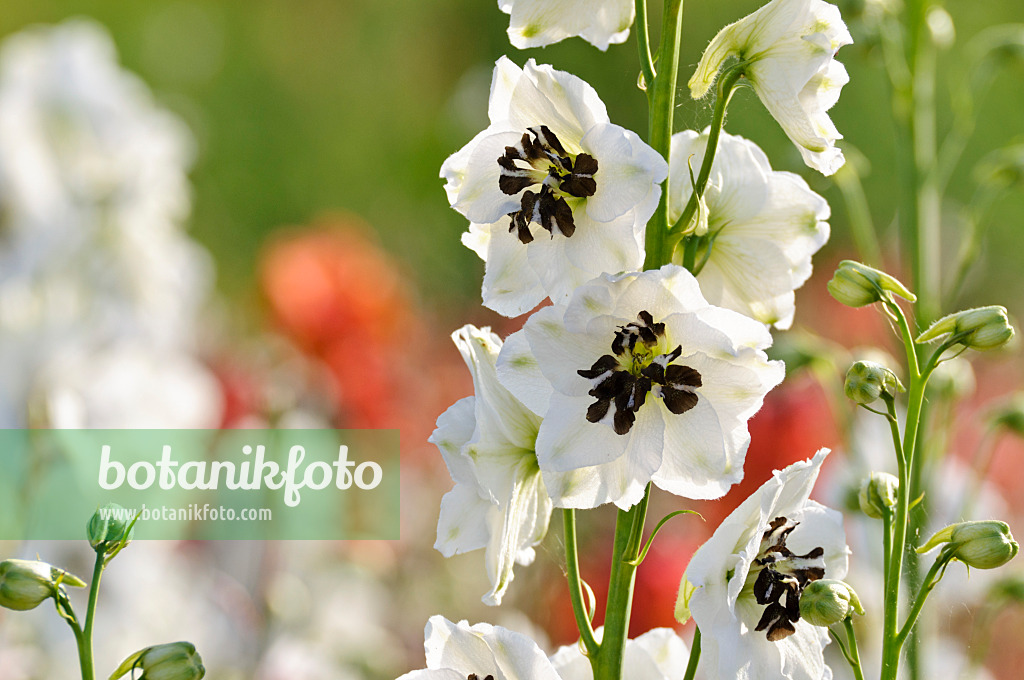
984,544
867,381
827,602
877,494
981,328
856,285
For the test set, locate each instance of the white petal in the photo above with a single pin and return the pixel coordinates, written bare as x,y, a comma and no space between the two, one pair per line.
501,419
560,353
504,80
536,23
521,524
484,650
462,524
696,463
519,372
454,429
662,646
627,171
510,286
568,105
479,197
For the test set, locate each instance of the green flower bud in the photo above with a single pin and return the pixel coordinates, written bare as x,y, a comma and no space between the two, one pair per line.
981,328
827,602
867,381
25,584
856,285
106,529
984,544
878,494
171,661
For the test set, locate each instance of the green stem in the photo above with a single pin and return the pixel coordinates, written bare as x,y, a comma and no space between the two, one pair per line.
854,658
85,642
930,581
663,104
629,527
579,609
727,83
691,667
643,43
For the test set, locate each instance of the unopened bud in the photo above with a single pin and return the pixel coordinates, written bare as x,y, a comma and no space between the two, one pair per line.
25,584
107,528
856,285
867,381
877,494
171,661
984,544
827,602
981,328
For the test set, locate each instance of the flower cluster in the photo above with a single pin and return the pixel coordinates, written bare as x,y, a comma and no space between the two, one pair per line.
640,373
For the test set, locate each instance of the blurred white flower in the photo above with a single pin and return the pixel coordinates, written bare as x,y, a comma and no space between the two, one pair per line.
536,23
658,654
555,193
786,50
763,226
487,441
460,651
93,190
743,586
639,379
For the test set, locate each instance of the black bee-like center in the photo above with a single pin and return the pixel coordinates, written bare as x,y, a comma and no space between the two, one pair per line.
781,579
540,159
622,380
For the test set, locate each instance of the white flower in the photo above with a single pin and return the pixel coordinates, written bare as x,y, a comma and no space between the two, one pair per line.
487,441
457,651
536,23
658,654
742,587
639,379
555,193
764,226
788,47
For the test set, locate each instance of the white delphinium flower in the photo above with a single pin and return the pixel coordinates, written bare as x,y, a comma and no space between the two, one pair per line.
555,193
536,23
786,50
763,226
743,586
457,651
499,501
639,379
658,654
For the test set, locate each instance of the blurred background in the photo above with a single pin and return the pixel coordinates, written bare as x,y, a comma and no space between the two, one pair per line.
229,214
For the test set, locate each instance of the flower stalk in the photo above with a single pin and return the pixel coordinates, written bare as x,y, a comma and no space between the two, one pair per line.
579,608
662,115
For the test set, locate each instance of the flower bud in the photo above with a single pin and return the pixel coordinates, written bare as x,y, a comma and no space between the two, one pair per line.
981,328
856,285
171,661
877,494
866,381
827,602
985,544
107,527
25,584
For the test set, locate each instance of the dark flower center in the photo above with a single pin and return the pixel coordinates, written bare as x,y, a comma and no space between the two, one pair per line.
782,578
621,380
539,158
